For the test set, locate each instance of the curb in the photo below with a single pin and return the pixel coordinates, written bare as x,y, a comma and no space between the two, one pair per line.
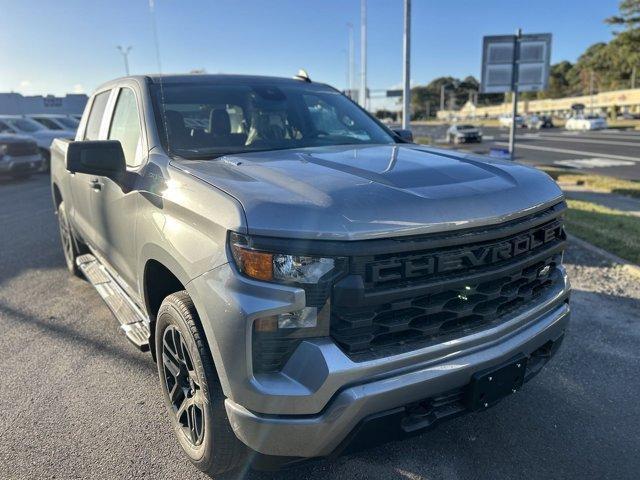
629,267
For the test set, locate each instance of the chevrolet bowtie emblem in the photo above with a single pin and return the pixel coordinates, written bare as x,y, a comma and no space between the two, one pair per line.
544,271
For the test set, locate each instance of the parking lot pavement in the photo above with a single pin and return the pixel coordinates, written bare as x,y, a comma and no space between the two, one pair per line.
78,401
608,152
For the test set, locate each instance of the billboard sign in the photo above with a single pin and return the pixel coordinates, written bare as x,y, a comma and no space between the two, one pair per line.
502,53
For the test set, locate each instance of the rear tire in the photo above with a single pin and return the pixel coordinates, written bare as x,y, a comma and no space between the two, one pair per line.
191,389
71,247
46,160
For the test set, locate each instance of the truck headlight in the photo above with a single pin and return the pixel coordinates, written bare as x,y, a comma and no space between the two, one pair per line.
275,337
278,267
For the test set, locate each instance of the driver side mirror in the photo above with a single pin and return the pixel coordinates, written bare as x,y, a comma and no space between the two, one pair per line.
404,134
103,158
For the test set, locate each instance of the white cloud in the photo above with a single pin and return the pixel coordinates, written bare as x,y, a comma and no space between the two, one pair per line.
78,88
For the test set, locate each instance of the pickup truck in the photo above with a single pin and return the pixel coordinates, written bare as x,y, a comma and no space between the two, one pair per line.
308,281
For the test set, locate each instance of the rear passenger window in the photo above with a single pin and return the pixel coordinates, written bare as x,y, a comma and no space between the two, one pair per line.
95,117
125,127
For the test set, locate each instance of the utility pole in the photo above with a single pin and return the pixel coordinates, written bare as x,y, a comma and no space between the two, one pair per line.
406,73
591,93
352,61
125,54
442,96
363,53
514,94
633,77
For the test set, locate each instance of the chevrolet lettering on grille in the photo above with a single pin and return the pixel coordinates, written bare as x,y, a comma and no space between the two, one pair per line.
451,261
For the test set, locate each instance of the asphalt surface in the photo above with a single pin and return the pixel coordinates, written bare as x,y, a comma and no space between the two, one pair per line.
78,401
609,152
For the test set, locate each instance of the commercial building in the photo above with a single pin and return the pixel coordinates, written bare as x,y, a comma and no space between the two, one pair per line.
603,103
18,104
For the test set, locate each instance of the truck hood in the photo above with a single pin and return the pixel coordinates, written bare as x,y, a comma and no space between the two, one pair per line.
44,138
373,191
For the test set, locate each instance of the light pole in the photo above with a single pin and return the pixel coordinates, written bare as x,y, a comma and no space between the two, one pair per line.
125,54
352,60
406,72
363,53
591,93
514,93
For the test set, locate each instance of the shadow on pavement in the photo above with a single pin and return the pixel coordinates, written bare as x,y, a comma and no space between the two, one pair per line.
73,336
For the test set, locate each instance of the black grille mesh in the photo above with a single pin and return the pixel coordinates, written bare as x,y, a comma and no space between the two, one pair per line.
456,310
18,149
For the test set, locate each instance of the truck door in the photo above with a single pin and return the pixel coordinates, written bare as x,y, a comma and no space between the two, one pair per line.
83,186
114,210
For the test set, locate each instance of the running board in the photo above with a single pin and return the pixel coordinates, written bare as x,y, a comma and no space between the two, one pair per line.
133,322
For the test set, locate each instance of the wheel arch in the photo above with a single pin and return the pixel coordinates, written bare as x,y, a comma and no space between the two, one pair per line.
57,195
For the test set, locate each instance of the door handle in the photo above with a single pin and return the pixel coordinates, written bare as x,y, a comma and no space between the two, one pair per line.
96,184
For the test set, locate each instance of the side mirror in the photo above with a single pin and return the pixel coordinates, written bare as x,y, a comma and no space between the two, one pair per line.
405,135
103,158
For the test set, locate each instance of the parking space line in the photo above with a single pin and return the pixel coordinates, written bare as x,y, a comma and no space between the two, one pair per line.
588,140
573,152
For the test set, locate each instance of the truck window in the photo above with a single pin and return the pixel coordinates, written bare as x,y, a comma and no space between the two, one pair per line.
125,127
47,122
95,117
5,128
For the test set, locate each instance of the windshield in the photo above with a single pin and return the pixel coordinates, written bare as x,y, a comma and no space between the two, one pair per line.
68,122
47,122
210,120
466,127
24,124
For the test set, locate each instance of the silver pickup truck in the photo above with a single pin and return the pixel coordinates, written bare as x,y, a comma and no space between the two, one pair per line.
308,281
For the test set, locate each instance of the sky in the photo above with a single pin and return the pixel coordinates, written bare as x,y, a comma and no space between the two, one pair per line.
66,46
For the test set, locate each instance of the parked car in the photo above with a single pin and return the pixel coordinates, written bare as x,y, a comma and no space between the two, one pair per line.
42,136
505,120
19,156
535,122
56,121
464,134
591,122
304,291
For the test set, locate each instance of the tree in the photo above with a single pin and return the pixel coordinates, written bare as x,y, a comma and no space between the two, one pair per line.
629,15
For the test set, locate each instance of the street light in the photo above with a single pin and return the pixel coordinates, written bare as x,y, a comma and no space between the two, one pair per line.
363,53
125,54
406,72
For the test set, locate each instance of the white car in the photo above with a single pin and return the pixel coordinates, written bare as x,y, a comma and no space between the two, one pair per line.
43,136
591,122
54,121
505,121
463,134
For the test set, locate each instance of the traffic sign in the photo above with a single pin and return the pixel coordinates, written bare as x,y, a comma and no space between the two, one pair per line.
502,53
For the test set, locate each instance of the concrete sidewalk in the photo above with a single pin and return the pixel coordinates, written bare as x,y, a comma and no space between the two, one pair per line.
628,205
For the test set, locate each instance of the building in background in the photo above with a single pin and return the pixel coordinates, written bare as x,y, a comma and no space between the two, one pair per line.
610,104
17,104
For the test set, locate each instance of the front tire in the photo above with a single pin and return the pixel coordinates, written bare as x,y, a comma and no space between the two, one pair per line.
191,390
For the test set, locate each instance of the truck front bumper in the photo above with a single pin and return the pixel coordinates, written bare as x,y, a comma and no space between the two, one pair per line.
322,398
346,423
20,165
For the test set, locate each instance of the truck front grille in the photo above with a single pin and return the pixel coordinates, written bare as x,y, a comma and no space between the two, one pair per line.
20,149
398,302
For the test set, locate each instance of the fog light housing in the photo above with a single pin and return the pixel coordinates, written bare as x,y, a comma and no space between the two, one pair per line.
276,337
305,318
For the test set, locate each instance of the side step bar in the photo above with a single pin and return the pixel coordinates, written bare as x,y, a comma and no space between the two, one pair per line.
133,321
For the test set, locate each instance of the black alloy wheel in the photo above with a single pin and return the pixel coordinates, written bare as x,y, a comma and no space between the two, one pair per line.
183,385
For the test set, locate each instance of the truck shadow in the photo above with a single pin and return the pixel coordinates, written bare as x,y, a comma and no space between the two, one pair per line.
55,328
